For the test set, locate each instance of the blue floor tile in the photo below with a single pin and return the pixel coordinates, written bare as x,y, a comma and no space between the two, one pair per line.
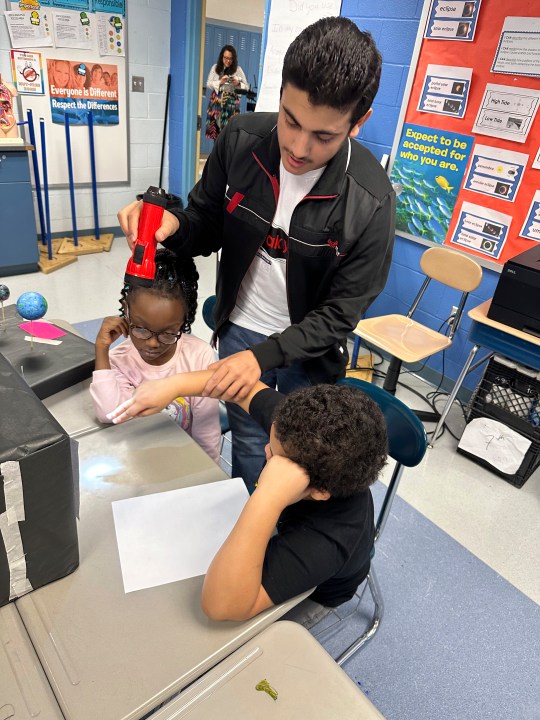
457,641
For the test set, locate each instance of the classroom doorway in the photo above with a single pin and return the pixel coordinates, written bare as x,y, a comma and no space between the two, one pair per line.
228,25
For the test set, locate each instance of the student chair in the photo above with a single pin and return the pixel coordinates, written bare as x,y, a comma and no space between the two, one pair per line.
208,317
407,443
407,340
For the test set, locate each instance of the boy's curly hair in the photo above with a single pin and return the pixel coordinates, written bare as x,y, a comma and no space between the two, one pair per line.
176,278
336,433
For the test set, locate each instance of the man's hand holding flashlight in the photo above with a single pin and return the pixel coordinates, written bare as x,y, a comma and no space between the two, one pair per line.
129,217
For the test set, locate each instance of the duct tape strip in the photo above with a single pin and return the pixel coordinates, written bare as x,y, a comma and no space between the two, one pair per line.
18,582
13,491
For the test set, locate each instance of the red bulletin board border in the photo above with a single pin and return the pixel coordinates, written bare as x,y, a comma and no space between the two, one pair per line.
479,55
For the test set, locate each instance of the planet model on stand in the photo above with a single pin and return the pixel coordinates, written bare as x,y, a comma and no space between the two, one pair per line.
31,306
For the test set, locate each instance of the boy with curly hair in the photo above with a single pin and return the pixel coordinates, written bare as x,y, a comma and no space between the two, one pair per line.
327,446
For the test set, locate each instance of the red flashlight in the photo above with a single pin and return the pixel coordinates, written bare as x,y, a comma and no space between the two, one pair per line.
141,268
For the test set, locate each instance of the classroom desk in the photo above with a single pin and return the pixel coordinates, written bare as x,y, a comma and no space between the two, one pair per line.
308,682
497,338
24,691
108,655
46,368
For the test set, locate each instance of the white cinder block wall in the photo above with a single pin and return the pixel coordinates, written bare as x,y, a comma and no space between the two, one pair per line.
149,32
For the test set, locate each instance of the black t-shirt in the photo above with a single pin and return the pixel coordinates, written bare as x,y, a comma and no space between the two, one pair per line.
324,544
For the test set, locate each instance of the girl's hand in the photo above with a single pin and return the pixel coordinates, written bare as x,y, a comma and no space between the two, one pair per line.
148,399
111,329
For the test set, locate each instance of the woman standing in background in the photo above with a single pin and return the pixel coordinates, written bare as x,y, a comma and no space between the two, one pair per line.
225,78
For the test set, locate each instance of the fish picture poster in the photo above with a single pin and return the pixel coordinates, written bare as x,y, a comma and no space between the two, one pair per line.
531,227
496,172
481,229
445,90
427,173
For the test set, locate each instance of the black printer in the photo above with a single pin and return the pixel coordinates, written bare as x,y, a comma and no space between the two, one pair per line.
517,296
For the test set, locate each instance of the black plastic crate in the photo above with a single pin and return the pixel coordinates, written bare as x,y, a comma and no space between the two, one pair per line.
511,396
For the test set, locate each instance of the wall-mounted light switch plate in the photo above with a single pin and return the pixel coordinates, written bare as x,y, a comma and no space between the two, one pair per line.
137,83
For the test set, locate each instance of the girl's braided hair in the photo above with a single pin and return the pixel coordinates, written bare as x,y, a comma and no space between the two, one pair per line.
176,278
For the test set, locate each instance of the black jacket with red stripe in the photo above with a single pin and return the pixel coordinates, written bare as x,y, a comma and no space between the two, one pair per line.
340,240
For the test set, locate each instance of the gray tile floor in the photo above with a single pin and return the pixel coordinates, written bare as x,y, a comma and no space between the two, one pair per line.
458,563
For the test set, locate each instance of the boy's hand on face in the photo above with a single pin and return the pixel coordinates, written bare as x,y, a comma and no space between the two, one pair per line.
111,329
283,482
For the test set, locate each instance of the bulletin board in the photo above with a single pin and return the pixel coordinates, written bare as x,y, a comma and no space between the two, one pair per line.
474,192
110,125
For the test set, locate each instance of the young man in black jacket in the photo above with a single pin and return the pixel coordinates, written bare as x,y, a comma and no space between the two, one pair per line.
304,218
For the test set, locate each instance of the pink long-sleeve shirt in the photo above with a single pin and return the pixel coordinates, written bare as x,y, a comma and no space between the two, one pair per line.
198,416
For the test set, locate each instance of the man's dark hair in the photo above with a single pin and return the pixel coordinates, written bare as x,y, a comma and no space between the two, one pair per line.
336,433
176,278
336,64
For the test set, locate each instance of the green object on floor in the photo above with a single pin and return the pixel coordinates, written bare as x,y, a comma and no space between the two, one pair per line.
265,686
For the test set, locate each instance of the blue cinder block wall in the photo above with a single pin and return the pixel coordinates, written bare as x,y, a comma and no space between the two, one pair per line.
394,25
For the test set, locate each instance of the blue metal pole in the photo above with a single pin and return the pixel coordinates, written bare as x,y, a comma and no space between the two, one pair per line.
35,165
71,185
45,186
93,168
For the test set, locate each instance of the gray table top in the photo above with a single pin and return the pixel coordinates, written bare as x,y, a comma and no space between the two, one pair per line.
109,655
308,683
24,690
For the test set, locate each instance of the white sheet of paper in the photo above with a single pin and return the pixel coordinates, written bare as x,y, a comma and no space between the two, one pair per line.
518,51
285,22
174,535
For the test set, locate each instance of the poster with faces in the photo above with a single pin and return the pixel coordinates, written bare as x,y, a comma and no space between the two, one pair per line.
449,20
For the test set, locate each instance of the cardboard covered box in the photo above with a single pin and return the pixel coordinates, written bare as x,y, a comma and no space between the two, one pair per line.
38,531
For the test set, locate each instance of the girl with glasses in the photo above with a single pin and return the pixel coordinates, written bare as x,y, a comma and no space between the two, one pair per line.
156,321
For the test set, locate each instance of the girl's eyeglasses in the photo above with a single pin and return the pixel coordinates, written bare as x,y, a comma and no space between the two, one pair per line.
165,338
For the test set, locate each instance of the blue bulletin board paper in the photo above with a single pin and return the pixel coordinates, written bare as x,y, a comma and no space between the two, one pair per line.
72,4
114,6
